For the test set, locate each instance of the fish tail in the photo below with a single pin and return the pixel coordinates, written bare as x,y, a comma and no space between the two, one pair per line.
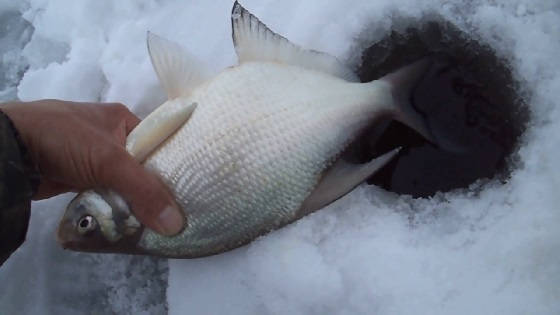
402,84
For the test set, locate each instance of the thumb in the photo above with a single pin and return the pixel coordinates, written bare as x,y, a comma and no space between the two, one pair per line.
149,199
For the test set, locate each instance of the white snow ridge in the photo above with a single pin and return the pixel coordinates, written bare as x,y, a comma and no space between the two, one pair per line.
493,250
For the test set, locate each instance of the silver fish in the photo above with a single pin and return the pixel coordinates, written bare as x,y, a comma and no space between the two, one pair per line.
246,151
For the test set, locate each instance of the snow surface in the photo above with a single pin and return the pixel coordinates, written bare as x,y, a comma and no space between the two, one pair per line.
490,249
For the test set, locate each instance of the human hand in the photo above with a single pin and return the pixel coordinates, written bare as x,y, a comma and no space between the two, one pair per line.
78,146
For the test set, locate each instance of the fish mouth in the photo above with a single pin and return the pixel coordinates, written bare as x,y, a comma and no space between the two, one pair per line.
63,236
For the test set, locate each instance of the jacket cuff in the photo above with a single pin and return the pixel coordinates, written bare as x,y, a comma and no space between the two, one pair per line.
19,181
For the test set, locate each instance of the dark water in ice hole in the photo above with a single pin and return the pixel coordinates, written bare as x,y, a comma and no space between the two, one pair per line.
470,100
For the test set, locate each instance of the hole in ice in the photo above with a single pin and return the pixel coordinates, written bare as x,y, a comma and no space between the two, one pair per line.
469,97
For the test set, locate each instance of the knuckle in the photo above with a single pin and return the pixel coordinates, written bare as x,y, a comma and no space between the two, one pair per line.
119,109
119,115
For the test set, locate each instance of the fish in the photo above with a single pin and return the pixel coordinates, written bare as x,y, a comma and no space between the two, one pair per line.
248,150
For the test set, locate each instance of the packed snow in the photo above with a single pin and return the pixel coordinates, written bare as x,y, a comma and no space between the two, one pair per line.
492,248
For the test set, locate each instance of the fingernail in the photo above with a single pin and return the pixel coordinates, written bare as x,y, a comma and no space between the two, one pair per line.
170,221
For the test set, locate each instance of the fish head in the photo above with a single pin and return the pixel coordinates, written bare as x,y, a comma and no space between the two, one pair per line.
99,221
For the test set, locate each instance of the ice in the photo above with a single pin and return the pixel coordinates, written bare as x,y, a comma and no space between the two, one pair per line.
490,249
14,34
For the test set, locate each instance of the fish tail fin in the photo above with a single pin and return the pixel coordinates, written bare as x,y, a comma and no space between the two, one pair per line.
402,83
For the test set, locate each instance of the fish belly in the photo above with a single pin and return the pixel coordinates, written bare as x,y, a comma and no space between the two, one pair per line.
253,150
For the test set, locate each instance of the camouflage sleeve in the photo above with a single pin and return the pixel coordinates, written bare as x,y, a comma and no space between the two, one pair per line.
18,183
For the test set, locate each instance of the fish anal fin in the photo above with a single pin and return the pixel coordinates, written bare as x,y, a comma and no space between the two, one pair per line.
179,72
340,179
254,41
157,127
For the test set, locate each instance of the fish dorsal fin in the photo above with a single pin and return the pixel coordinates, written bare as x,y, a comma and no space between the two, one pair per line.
254,41
179,72
157,127
340,179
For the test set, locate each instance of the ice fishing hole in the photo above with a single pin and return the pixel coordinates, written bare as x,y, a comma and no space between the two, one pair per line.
469,98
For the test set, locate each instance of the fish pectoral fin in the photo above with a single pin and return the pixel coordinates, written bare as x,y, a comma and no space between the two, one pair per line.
179,72
340,179
254,41
157,127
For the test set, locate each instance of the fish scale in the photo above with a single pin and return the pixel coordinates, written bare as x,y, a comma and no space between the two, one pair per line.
278,159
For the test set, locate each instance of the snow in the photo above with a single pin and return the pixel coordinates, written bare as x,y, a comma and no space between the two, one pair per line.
490,249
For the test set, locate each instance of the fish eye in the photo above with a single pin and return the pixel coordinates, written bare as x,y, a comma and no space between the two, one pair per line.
86,224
